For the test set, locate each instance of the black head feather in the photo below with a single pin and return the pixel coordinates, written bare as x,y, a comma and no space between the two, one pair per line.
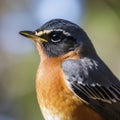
63,37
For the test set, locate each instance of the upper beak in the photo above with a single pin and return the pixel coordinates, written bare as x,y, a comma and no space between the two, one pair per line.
33,36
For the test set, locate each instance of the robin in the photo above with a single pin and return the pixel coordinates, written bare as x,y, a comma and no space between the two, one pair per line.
72,82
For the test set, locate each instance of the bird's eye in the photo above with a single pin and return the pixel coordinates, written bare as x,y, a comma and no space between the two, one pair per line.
56,36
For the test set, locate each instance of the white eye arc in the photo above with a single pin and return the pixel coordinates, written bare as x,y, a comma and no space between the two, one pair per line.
55,40
56,37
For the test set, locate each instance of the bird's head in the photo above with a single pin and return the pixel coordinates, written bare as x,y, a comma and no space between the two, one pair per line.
58,37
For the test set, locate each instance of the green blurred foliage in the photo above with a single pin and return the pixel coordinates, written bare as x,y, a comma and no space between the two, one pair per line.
17,88
102,24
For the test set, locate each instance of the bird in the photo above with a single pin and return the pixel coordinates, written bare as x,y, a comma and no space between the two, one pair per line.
72,81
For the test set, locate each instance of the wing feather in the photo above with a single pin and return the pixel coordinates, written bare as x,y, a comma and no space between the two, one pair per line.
92,81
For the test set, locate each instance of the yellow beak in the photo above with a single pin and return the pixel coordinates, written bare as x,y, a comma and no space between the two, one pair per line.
31,35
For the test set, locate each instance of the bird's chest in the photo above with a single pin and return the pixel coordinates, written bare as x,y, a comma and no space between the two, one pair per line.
53,95
56,100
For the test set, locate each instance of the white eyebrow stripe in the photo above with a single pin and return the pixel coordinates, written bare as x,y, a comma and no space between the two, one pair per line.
48,31
42,32
64,32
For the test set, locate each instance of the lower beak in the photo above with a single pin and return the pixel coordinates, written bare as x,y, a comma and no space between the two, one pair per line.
31,35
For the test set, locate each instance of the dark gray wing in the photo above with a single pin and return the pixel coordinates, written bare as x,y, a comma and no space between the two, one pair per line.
92,81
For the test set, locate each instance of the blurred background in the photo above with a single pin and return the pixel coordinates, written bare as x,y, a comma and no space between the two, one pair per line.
19,58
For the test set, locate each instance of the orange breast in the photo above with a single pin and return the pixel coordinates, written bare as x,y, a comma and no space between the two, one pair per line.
56,99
